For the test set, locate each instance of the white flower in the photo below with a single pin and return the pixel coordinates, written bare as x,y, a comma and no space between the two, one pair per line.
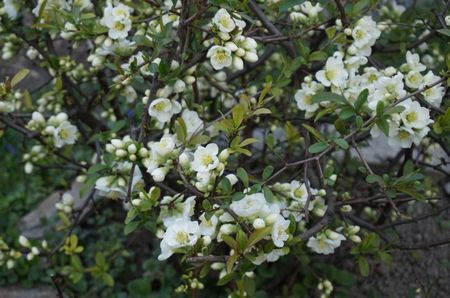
414,115
414,79
311,10
182,233
163,109
220,57
433,95
413,62
223,20
251,206
334,73
65,134
275,254
404,136
324,244
117,19
192,121
165,145
280,231
364,35
177,210
205,158
208,227
299,191
387,89
304,101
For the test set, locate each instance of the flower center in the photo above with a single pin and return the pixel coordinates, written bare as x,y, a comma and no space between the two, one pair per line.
207,159
118,26
330,74
63,134
411,117
182,237
298,192
403,135
308,99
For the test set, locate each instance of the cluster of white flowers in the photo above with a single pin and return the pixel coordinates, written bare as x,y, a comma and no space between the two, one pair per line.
231,46
36,154
305,13
66,203
118,20
10,256
364,34
115,185
11,102
126,149
325,242
341,74
57,129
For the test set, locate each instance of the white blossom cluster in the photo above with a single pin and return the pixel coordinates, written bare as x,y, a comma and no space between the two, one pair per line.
57,129
342,75
305,13
231,47
28,251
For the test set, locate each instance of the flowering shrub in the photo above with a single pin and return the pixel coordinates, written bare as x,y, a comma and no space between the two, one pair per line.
234,133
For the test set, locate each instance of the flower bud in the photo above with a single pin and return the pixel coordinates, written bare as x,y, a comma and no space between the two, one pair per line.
36,116
159,174
259,223
232,178
223,156
121,153
61,117
110,148
355,238
346,208
231,46
238,63
117,143
24,241
251,57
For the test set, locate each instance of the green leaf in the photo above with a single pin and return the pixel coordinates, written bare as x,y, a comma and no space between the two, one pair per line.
383,125
445,32
317,147
262,111
394,110
226,279
318,56
242,240
346,113
230,262
27,101
342,143
372,178
131,227
243,176
237,114
258,235
107,279
363,266
315,133
328,96
380,108
19,76
181,130
361,100
230,242
199,139
267,172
